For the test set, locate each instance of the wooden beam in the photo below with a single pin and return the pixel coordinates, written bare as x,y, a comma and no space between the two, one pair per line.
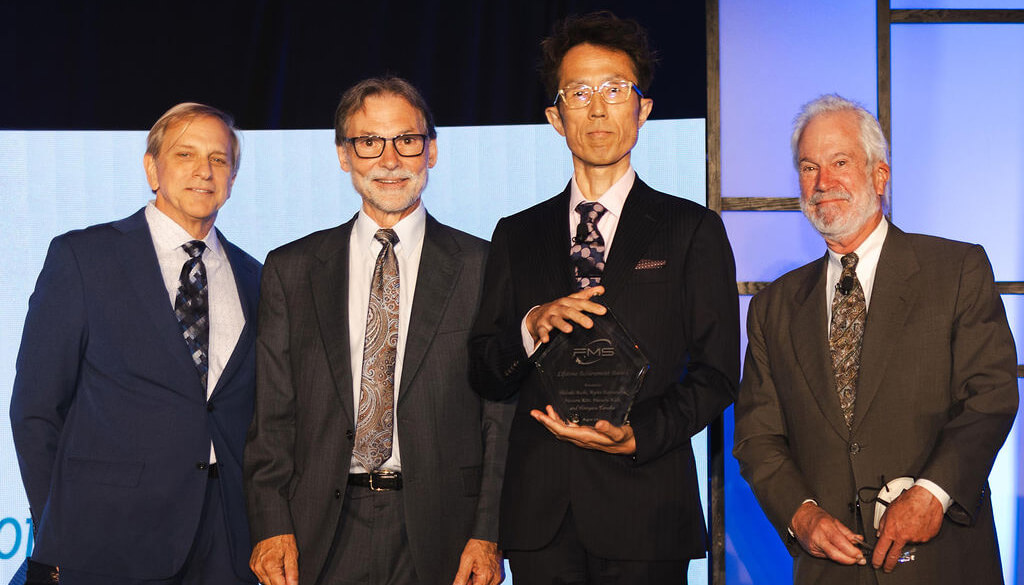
750,288
1010,288
760,203
941,16
716,430
713,122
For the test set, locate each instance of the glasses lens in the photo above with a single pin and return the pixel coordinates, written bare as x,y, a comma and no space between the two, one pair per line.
577,96
368,146
410,144
615,92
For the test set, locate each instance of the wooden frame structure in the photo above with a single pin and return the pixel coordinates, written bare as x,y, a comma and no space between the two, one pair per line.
886,17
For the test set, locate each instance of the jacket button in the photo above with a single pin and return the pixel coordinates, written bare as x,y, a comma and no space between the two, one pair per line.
350,435
209,407
337,494
201,466
854,448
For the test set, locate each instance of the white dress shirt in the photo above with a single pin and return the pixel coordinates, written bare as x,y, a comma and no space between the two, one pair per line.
613,200
362,256
868,254
226,317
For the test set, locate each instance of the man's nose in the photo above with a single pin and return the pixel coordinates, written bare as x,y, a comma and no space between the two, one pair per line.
203,168
389,158
826,179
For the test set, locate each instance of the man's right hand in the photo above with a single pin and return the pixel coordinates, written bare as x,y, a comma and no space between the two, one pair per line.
822,535
562,313
275,560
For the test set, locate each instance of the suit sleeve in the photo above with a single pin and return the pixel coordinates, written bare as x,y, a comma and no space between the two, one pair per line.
983,389
761,438
48,365
497,421
498,362
269,446
711,366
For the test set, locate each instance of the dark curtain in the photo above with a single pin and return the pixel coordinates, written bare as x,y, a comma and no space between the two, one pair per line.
277,64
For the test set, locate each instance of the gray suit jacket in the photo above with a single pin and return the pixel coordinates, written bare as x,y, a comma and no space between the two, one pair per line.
300,442
936,397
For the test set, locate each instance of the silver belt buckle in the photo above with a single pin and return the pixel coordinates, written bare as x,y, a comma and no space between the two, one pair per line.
381,475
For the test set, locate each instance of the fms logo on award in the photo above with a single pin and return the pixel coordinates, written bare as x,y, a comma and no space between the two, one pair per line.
592,352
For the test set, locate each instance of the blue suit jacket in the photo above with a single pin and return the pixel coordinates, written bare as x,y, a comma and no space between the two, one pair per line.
110,422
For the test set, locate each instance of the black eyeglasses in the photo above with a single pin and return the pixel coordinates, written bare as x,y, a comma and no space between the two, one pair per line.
373,146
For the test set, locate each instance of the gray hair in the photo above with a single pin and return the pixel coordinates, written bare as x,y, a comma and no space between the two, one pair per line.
188,111
355,97
876,147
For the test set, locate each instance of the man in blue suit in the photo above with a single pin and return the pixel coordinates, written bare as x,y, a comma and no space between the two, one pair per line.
134,384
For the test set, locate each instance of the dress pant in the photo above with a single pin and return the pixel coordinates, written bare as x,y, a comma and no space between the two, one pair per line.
564,561
208,563
370,544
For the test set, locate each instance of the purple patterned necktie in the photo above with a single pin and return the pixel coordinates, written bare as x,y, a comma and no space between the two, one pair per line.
375,419
192,307
846,334
587,252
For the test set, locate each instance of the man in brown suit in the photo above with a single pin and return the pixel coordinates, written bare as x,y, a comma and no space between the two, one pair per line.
888,361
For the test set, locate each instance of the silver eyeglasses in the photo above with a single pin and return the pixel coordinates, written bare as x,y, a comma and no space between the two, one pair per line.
612,92
373,146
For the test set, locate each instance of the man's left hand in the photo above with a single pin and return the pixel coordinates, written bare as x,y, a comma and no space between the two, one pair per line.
603,436
915,516
480,564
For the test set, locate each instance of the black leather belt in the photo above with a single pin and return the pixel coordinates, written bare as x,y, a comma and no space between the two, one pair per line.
378,481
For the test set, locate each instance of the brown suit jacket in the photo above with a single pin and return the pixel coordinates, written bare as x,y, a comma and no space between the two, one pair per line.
936,397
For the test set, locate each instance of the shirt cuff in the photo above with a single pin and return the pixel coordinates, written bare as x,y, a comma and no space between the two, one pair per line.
790,528
939,493
528,344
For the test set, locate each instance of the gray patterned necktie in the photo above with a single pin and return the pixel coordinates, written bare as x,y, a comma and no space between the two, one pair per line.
192,308
375,419
587,252
846,334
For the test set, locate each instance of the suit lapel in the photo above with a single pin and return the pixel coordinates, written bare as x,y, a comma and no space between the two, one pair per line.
632,237
436,277
553,246
247,284
142,271
329,283
810,345
891,299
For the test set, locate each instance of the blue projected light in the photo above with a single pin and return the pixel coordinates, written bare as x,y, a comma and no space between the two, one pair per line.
289,185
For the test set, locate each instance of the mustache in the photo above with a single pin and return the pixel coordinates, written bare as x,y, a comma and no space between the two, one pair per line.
377,175
840,194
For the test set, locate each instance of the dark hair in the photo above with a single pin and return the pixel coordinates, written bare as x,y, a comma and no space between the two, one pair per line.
355,97
602,29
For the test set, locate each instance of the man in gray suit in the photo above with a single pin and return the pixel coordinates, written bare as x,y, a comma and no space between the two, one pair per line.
369,458
882,372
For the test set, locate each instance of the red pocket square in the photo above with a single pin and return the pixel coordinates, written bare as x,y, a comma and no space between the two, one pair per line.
646,264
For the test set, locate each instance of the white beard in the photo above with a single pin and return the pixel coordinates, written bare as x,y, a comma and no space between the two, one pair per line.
835,224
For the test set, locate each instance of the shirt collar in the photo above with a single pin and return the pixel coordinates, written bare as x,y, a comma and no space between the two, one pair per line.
614,199
869,250
410,229
168,235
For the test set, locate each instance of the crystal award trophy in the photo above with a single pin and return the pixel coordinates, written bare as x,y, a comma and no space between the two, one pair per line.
592,374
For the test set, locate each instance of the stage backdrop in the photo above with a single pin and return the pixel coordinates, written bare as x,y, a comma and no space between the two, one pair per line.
289,185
